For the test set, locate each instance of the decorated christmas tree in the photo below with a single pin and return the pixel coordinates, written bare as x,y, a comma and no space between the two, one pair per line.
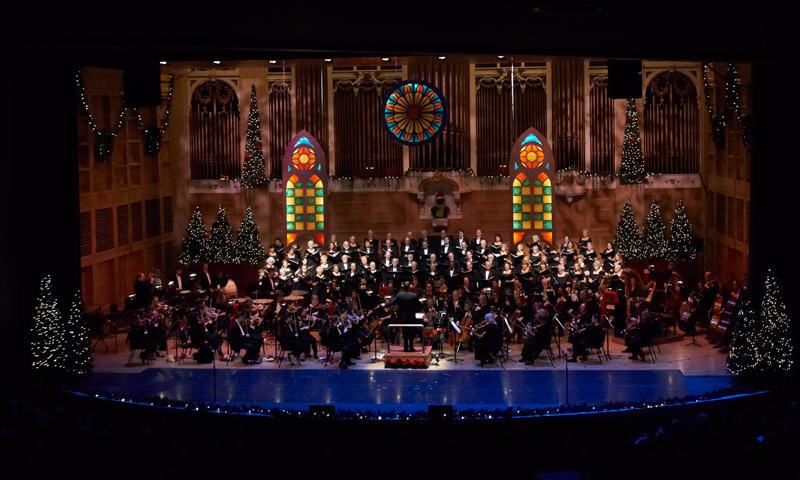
632,170
253,171
248,244
47,342
654,241
77,357
743,354
195,242
680,236
220,244
628,242
762,343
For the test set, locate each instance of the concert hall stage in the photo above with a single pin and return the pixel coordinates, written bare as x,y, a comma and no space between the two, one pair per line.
679,371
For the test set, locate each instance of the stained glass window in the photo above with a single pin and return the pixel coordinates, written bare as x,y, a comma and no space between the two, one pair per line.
305,191
531,189
414,112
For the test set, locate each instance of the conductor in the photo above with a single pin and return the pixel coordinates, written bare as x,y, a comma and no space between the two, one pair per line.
407,306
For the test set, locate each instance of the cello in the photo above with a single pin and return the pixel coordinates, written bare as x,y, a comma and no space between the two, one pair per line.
725,317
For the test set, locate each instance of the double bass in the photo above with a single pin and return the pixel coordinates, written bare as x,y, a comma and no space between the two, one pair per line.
723,320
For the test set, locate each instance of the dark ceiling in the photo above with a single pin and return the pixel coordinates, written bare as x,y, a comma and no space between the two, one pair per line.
677,30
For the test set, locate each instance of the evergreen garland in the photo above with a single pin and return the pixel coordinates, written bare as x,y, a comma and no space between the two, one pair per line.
47,342
632,170
628,242
248,244
654,241
195,242
77,358
220,244
253,171
680,236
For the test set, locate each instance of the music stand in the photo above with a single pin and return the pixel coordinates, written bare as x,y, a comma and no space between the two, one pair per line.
558,339
455,347
608,355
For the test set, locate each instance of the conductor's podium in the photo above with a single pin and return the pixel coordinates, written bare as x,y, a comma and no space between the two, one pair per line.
395,357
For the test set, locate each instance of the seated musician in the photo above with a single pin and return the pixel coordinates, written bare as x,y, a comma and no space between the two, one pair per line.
386,314
246,334
202,331
638,334
337,342
538,335
304,322
289,333
489,339
141,336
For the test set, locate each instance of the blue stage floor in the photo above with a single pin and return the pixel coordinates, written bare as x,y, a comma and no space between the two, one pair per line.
404,390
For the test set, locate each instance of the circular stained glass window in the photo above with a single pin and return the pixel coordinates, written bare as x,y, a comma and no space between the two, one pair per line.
531,156
303,158
414,112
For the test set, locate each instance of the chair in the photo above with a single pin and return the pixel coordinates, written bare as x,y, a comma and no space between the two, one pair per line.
186,346
599,347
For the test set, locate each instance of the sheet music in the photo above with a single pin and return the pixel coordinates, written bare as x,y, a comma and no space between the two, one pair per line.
455,327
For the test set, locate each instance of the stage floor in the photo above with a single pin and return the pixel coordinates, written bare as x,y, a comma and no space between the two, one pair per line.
678,371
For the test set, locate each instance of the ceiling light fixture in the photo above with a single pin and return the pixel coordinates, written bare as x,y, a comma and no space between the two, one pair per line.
442,58
217,62
273,62
162,62
385,59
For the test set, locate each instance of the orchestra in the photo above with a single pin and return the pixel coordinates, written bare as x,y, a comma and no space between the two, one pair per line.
344,299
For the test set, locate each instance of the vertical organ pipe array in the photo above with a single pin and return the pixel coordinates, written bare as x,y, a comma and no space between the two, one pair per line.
568,114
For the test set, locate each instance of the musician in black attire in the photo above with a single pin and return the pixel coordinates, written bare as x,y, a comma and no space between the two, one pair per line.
591,336
289,334
143,289
542,330
407,307
245,335
142,336
638,335
488,344
336,341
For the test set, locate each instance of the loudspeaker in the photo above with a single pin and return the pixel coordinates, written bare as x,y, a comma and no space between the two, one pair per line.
322,412
624,79
440,412
142,83
699,245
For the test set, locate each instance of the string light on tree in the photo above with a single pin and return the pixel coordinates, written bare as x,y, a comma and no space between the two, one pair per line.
253,172
632,170
77,356
47,344
220,244
627,241
654,241
248,243
681,245
195,243
761,343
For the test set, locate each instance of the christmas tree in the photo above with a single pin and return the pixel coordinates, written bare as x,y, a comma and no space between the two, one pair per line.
654,241
77,358
47,344
220,244
253,172
632,170
248,244
762,343
742,357
195,242
680,236
627,242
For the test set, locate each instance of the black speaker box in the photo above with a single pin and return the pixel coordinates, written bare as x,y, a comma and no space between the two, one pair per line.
624,79
142,83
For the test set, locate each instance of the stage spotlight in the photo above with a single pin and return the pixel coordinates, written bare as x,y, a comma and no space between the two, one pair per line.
328,60
442,58
217,62
273,61
385,59
440,412
322,412
500,57
162,62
